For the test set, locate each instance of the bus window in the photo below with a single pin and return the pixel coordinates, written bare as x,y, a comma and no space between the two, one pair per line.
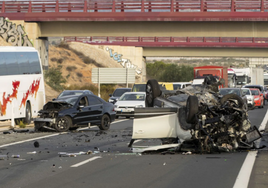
12,63
34,63
3,68
23,62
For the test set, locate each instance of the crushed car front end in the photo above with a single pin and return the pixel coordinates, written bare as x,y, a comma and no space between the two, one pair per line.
48,116
214,122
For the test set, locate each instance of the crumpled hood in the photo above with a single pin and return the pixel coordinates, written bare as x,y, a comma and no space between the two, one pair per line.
56,105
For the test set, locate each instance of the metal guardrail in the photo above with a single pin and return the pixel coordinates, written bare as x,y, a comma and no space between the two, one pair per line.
61,6
174,41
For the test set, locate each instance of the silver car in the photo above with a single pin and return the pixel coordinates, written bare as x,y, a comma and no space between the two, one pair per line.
250,97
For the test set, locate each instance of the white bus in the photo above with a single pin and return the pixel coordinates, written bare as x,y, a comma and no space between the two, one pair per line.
22,91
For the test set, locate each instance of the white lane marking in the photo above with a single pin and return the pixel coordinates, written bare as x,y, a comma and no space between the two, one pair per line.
119,121
262,127
37,138
86,161
245,171
243,177
136,141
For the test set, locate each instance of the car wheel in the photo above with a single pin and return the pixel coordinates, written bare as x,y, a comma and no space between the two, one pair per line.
28,114
191,109
235,97
105,122
152,91
116,117
63,124
245,107
263,101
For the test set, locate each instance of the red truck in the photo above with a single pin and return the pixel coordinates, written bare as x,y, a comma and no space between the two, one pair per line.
217,71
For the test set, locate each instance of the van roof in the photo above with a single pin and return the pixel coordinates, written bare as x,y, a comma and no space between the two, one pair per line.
181,82
17,49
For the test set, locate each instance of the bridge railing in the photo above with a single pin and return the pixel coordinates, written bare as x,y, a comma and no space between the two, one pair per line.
173,41
58,6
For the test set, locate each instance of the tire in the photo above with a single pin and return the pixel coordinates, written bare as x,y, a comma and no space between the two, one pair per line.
63,124
245,107
263,101
28,114
105,122
235,97
191,109
152,91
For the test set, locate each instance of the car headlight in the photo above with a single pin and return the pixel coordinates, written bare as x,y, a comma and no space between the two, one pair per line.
257,99
111,100
139,106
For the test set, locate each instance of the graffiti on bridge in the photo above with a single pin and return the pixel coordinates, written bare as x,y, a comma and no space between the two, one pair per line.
126,63
13,34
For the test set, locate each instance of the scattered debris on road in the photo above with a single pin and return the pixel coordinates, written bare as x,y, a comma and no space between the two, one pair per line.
36,144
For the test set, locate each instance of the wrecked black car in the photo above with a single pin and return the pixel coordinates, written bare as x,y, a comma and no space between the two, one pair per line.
196,116
74,111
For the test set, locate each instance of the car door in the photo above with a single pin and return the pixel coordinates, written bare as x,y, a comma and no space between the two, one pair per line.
96,109
82,111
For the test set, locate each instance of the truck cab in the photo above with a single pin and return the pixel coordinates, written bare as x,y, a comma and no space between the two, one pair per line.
219,72
232,79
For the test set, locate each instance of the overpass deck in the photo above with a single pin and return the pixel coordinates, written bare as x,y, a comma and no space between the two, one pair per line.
134,10
230,42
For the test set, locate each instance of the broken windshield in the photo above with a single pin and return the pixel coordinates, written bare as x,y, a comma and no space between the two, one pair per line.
69,100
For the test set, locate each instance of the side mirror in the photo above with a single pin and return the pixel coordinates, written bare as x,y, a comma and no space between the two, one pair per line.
54,99
80,107
110,95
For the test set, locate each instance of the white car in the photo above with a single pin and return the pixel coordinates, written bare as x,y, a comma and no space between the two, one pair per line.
128,101
181,85
250,97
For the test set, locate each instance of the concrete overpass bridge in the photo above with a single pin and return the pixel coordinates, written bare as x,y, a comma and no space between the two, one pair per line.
203,28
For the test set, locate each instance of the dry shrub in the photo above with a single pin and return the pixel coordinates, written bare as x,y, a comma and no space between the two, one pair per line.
71,68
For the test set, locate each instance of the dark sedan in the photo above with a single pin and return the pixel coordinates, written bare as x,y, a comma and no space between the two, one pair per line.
117,94
74,111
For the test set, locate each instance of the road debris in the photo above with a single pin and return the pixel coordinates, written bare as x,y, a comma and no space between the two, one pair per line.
15,156
3,157
6,132
36,144
66,154
32,152
187,153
